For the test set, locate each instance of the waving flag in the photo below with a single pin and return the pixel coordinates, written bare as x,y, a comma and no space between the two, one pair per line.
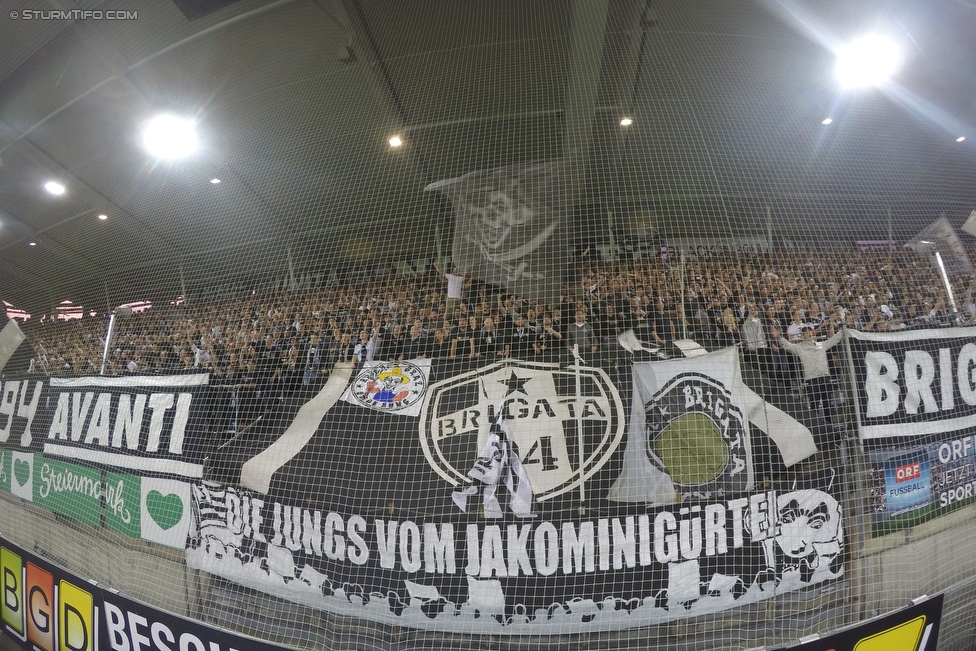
508,229
499,461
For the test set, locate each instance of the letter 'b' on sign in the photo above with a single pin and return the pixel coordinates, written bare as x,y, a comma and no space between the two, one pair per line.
11,567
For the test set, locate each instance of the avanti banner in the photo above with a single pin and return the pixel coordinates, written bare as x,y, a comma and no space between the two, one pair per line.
148,424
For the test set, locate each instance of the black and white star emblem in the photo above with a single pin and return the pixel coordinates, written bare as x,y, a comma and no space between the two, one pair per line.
515,383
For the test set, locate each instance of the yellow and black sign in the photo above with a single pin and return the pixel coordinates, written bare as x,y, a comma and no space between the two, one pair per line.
915,628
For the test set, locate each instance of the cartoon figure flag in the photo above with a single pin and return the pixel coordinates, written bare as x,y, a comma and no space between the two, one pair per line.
391,387
498,461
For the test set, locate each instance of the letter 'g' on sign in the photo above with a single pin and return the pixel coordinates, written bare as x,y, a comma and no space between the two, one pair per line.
39,595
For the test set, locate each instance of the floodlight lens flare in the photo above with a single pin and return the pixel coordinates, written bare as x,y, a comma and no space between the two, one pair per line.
170,137
395,141
54,187
868,61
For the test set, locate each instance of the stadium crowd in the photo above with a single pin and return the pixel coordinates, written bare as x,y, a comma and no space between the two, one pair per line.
293,338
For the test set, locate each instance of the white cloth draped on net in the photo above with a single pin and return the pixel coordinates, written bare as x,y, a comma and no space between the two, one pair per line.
499,462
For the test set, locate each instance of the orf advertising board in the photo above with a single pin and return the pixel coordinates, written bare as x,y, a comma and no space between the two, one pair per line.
916,395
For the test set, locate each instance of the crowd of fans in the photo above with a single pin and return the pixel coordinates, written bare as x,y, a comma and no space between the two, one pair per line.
292,339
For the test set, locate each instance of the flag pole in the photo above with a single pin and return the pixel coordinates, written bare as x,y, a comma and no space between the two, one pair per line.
579,427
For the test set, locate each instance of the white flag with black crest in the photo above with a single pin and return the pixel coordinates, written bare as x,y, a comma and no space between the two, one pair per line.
499,461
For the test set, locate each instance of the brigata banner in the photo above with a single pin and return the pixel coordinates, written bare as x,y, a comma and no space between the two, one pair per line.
468,517
46,608
699,409
919,383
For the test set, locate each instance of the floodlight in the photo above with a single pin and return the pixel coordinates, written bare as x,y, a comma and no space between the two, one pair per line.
826,121
626,122
54,187
868,61
103,217
169,136
395,141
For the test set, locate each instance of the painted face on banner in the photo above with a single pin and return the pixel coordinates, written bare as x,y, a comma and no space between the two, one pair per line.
495,215
809,525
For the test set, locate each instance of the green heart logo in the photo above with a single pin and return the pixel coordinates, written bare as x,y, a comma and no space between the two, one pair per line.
165,510
21,471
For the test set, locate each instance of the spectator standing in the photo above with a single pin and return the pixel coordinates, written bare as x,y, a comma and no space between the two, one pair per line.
816,366
581,334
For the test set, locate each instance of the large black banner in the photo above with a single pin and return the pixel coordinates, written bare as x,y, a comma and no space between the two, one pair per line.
920,383
146,424
354,506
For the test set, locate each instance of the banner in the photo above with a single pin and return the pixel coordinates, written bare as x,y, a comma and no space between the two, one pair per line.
380,532
392,387
911,485
46,608
113,452
919,383
940,237
915,628
509,227
689,434
547,575
152,509
148,424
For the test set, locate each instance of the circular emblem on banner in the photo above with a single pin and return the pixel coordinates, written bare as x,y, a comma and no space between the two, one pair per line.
695,432
541,406
389,386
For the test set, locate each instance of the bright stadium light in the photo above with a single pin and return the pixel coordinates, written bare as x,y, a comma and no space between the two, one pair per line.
626,122
170,137
868,61
54,188
826,121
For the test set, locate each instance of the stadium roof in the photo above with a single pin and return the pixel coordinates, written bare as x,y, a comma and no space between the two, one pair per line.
296,101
